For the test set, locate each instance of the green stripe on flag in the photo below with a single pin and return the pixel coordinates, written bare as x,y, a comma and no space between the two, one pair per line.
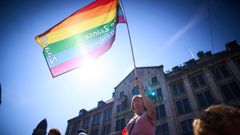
82,38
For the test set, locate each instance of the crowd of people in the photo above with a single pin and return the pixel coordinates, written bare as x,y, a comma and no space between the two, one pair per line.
217,119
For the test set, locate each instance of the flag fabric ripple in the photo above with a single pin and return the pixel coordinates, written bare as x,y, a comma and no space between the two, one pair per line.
85,35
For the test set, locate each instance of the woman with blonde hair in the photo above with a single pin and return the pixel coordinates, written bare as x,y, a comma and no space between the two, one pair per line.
144,121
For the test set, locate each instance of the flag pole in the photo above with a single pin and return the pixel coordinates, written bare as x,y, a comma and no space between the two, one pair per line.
210,25
130,39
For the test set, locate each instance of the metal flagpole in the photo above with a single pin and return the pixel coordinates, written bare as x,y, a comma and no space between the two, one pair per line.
129,36
210,25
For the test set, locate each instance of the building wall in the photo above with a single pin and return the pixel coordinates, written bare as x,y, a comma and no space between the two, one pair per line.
211,86
180,94
94,121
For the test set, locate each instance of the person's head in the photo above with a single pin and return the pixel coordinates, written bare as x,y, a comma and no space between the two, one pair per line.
137,104
54,131
218,120
82,132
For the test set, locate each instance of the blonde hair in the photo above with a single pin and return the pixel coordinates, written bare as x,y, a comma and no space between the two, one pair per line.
133,98
215,118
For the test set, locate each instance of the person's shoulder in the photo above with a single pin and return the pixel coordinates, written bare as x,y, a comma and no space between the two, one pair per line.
133,118
152,121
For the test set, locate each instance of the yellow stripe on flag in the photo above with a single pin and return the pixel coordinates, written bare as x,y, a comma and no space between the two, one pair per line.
76,29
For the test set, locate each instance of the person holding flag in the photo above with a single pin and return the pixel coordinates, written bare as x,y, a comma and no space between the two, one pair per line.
144,120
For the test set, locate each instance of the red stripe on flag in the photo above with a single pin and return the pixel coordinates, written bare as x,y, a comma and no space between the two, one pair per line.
92,6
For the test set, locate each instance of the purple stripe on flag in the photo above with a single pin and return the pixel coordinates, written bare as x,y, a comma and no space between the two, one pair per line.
121,19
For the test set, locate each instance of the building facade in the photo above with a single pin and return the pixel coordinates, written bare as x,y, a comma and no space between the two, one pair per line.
179,96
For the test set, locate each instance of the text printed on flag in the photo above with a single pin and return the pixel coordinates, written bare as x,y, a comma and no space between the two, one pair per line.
52,58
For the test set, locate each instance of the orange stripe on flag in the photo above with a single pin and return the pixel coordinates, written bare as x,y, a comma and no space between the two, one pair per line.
77,18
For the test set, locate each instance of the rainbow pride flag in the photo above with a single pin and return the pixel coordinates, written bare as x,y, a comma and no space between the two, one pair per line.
85,35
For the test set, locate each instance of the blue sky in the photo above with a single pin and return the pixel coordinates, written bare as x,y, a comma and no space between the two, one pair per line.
163,33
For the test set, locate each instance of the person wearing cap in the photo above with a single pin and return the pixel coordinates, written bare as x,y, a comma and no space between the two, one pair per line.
144,120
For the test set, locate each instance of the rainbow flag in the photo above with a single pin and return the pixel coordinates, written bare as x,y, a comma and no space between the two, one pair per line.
85,35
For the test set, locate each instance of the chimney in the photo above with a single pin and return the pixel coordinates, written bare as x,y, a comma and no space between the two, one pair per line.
232,46
82,112
200,54
100,104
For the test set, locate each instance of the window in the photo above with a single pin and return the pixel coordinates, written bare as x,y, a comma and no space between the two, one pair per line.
107,115
177,88
220,72
205,99
209,98
86,123
186,106
119,108
201,80
194,82
69,129
135,91
153,94
201,101
183,106
95,132
237,61
197,81
162,129
154,80
224,71
186,127
120,124
159,94
179,107
174,89
121,94
235,89
230,91
96,119
106,129
227,92
76,127
161,113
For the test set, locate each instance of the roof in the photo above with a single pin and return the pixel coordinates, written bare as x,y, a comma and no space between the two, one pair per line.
138,68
